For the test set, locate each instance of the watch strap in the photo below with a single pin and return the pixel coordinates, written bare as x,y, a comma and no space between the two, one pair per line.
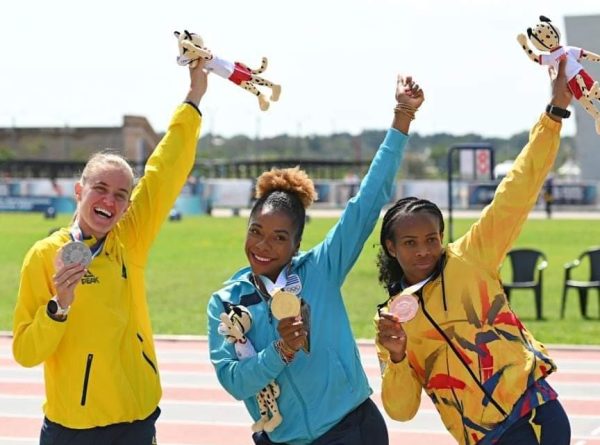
557,111
55,311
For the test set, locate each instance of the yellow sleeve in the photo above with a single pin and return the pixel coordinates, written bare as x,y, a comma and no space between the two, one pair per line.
36,335
400,387
492,236
165,174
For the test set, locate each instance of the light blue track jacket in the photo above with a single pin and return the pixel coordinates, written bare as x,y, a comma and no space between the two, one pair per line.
319,388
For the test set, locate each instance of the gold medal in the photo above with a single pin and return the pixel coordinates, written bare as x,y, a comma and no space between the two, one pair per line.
285,304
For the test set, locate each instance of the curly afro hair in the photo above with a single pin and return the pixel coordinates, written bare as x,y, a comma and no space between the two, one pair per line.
287,190
291,180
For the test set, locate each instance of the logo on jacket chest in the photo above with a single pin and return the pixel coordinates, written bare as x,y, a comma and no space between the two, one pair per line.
89,278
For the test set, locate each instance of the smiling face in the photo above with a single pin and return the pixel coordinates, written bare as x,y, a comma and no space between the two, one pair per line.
102,198
271,242
416,244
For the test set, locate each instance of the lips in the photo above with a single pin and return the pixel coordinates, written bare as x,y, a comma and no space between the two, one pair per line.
261,260
424,265
103,212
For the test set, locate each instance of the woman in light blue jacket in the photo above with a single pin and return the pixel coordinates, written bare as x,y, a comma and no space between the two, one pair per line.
323,390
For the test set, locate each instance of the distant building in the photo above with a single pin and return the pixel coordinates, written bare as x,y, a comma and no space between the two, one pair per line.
135,140
584,32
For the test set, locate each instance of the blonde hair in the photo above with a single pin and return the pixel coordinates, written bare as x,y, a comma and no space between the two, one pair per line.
103,159
290,180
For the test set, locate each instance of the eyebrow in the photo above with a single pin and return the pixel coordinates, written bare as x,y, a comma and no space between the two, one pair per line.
106,184
414,236
255,224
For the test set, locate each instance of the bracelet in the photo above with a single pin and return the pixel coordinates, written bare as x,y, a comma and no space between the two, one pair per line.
285,352
405,109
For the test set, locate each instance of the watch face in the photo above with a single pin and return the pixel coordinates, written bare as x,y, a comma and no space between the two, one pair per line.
52,307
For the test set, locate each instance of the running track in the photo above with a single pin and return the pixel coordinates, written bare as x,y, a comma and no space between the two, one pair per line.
196,410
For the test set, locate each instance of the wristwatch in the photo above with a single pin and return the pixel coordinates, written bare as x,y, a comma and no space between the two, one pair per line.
557,111
55,311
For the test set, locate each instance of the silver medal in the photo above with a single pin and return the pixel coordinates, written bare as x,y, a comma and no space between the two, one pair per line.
76,252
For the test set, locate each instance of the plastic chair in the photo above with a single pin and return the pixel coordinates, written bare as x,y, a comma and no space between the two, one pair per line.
526,264
593,254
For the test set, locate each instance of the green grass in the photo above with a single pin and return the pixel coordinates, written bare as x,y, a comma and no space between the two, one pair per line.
192,258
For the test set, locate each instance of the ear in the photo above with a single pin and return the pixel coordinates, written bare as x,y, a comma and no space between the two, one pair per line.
177,34
544,19
78,190
389,246
529,32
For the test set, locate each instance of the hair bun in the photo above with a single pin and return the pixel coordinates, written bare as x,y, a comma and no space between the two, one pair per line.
291,180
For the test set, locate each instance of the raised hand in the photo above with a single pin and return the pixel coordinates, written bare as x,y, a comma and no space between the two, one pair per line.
408,92
561,94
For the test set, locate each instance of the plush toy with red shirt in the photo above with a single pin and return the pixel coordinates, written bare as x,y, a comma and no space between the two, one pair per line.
234,326
191,49
545,37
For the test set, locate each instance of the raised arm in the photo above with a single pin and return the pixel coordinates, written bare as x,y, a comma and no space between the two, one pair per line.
165,173
344,242
490,238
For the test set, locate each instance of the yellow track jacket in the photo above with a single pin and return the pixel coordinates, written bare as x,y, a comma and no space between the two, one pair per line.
466,347
100,364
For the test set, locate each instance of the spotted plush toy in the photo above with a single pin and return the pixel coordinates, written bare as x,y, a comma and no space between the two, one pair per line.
545,37
191,49
234,326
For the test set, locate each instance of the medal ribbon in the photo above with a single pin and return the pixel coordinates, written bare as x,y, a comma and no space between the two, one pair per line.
411,290
289,283
77,235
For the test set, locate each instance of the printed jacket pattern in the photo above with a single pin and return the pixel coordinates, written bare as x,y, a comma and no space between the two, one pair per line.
466,348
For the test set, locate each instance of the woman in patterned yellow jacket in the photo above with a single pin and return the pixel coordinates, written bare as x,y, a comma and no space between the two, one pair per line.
465,347
89,325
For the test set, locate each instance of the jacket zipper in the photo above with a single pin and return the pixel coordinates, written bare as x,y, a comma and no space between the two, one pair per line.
152,365
86,378
467,367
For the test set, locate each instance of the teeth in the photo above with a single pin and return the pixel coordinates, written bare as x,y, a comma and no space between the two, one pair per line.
261,258
103,212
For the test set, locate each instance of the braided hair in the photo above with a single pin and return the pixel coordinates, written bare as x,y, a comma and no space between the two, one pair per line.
390,271
287,190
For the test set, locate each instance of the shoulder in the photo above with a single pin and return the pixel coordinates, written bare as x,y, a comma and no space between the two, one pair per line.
49,244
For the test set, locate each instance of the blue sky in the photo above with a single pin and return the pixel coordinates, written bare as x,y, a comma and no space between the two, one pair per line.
81,63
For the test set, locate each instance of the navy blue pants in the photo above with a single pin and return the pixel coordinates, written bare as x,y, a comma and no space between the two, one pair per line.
140,432
364,425
550,421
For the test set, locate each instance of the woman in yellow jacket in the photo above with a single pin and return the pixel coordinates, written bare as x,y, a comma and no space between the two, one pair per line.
82,311
465,347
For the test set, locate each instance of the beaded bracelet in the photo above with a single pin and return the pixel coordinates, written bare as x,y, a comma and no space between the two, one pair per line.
286,354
